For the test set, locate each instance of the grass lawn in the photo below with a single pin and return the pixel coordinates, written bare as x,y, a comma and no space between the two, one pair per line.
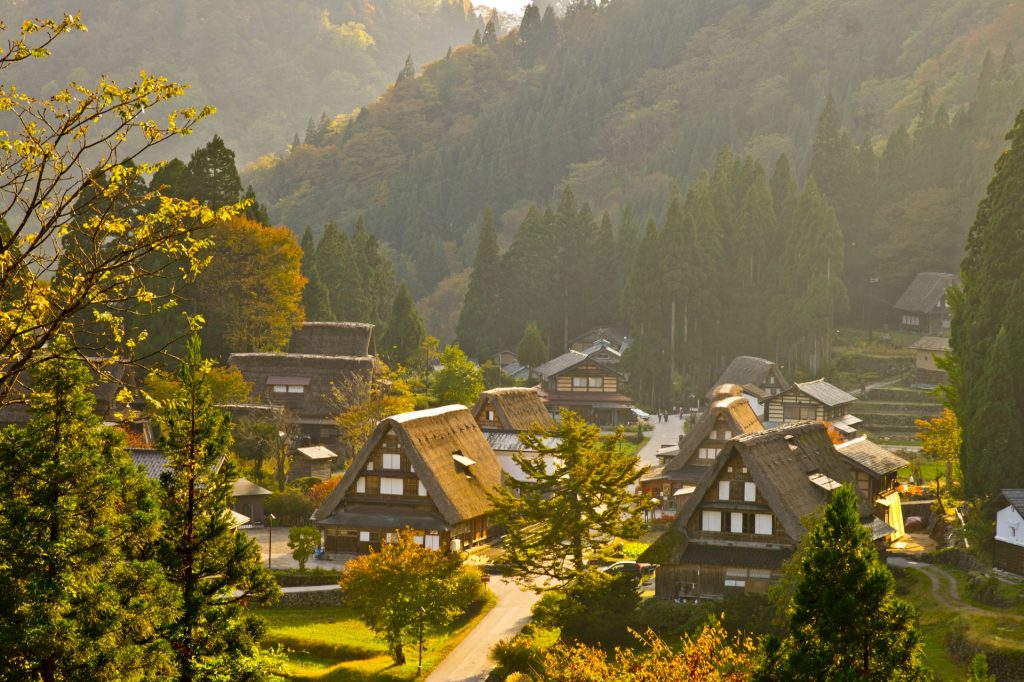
629,444
928,472
331,644
992,631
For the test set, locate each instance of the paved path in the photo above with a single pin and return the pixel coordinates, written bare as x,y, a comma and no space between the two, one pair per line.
470,660
310,588
282,556
664,433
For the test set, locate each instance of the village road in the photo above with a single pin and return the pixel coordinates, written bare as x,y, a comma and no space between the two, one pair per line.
282,556
469,661
944,588
664,433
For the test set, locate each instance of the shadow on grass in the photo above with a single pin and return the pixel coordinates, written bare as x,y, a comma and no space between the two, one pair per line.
323,651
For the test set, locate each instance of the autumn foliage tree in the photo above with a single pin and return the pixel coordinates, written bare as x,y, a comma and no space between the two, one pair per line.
251,292
710,656
70,175
363,401
402,585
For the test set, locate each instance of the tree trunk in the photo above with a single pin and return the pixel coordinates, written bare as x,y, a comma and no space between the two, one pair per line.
399,654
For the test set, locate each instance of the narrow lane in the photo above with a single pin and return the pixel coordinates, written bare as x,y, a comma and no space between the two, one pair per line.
470,660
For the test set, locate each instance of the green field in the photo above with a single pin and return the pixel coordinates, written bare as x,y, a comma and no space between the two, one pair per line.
330,644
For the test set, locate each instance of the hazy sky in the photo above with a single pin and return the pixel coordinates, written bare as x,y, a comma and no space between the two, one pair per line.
511,6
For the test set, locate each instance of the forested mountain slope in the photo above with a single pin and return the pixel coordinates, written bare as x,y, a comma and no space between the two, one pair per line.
627,101
267,66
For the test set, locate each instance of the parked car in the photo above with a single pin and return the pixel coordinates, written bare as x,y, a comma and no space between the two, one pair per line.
630,568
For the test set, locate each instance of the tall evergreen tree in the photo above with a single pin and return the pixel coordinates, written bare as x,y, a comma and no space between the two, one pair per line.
532,351
78,597
216,569
376,272
846,622
337,267
403,335
987,370
316,300
213,178
477,330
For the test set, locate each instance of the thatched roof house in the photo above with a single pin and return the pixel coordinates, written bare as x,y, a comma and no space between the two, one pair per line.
354,339
757,376
511,409
818,400
745,517
699,449
430,470
580,383
503,414
923,306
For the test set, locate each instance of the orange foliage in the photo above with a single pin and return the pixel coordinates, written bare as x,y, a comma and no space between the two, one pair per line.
713,656
321,490
833,433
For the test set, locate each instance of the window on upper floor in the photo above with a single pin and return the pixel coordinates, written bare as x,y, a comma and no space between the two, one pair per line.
392,486
911,320
421,489
490,415
711,521
749,492
763,524
392,461
707,453
595,382
723,490
579,382
360,485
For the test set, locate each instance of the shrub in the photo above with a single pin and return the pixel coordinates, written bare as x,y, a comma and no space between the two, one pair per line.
470,588
990,591
520,654
290,508
669,619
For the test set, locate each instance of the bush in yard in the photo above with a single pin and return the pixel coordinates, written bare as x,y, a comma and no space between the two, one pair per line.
470,590
518,655
289,508
595,608
303,541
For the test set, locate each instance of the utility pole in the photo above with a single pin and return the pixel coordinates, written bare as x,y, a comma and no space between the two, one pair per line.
672,344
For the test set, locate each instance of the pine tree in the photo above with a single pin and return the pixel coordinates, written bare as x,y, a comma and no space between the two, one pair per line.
490,36
316,300
987,367
255,211
408,71
216,569
532,351
336,264
476,37
403,335
376,273
79,598
845,619
458,381
213,178
477,330
573,493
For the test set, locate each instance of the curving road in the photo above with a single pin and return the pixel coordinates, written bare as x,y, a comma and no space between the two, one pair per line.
470,660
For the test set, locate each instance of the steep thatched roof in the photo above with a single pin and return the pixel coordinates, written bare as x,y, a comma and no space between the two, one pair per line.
315,373
429,439
926,291
737,412
750,372
333,338
518,409
784,462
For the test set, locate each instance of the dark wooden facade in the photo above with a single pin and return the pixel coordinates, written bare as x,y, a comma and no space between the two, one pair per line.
590,389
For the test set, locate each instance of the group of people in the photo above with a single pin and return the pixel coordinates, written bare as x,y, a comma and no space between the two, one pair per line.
663,415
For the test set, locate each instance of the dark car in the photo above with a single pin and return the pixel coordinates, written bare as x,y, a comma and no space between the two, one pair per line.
630,568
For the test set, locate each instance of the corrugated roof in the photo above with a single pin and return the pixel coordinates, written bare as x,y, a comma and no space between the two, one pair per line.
936,344
926,291
1014,497
244,487
823,392
430,438
518,409
560,364
508,441
317,452
871,456
152,461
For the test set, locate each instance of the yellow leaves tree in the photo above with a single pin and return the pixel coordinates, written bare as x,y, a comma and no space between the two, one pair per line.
941,438
250,294
363,402
61,219
711,656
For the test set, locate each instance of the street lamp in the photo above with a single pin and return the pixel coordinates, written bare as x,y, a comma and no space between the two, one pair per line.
270,537
419,665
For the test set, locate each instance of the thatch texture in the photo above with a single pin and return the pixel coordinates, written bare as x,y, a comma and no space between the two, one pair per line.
333,338
738,415
517,409
753,375
871,457
430,438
